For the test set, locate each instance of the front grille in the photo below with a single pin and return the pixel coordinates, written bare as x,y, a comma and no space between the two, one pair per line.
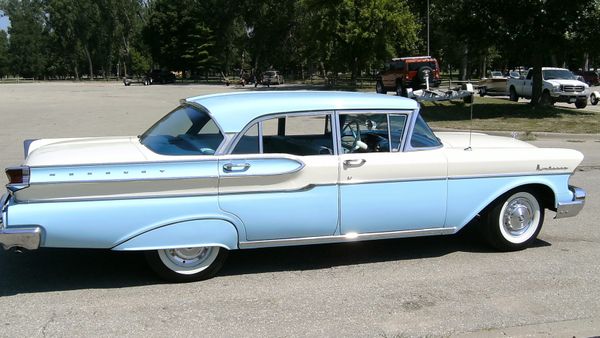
572,89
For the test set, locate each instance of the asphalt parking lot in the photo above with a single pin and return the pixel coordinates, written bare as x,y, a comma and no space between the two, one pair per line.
437,286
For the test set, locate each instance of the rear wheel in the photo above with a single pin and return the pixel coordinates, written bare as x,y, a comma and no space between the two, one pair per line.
379,88
513,94
187,264
514,221
482,91
400,90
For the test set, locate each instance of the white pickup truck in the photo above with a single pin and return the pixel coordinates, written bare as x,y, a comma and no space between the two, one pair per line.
559,85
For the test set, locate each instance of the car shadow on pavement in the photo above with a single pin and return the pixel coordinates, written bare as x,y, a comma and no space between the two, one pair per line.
48,270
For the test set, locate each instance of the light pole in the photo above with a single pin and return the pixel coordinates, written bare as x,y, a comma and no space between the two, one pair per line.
428,53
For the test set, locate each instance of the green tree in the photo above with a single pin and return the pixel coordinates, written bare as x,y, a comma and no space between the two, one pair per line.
353,34
28,37
4,57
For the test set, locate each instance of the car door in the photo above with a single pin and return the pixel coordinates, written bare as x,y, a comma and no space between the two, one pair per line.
527,84
280,179
382,187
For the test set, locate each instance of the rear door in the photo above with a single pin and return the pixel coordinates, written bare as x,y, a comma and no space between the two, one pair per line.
281,178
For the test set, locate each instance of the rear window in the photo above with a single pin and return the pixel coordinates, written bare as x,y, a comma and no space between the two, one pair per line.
185,131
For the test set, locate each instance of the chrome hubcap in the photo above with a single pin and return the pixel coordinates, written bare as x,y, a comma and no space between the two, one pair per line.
188,257
518,216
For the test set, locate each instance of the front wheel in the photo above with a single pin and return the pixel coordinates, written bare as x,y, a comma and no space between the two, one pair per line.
514,221
594,99
580,104
546,100
187,264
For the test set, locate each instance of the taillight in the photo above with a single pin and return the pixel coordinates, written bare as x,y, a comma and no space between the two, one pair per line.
18,177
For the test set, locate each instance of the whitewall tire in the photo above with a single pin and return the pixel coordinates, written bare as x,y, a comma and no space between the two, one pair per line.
187,264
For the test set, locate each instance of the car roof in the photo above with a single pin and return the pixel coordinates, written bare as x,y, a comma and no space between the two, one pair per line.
233,111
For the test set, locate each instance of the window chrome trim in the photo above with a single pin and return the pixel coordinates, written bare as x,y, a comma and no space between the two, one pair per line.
409,117
263,118
407,146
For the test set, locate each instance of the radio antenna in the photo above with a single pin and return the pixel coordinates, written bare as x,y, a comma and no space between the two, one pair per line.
471,125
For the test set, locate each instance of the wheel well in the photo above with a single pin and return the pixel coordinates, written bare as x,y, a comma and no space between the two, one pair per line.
543,193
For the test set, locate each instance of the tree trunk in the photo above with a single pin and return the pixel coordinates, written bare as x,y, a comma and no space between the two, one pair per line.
464,61
586,62
76,72
536,90
89,58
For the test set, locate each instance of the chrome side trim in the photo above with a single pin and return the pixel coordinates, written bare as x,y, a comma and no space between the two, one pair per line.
27,238
571,208
468,177
350,237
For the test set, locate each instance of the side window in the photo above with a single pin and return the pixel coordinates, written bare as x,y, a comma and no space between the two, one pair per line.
364,133
301,135
397,125
248,144
422,136
298,135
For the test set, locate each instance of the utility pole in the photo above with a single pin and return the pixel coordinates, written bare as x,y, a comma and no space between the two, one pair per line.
428,53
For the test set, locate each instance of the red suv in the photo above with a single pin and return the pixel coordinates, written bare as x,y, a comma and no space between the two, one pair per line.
408,72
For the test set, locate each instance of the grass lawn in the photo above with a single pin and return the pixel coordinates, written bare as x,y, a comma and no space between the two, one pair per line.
502,114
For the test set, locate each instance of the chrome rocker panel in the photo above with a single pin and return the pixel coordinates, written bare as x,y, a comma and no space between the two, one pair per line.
572,208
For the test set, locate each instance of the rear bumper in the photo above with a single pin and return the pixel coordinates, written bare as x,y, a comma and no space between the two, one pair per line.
21,237
571,208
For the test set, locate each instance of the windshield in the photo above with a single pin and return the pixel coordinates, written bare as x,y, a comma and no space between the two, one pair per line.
552,74
184,131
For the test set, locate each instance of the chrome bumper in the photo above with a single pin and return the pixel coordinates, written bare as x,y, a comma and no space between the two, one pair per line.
572,208
25,237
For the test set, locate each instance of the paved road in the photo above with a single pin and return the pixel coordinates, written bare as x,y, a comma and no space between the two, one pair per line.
438,286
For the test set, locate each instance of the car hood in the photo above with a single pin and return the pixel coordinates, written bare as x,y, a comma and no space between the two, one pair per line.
89,150
564,82
478,140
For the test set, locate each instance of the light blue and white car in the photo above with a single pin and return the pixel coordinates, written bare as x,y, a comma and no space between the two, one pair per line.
256,169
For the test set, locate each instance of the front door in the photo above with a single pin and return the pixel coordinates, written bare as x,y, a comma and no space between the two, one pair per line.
281,178
383,188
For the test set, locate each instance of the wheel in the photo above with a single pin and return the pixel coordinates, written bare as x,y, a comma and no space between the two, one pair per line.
482,91
187,264
400,90
580,104
379,88
594,99
514,221
513,94
546,99
424,73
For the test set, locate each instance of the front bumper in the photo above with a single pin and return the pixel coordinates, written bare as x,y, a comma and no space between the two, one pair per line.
23,237
570,97
571,208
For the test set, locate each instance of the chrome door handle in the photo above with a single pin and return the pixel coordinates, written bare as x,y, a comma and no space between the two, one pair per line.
236,167
354,163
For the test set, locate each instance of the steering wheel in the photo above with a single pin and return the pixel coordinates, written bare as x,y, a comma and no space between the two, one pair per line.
354,130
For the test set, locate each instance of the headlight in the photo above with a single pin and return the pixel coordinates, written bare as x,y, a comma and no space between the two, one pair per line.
556,88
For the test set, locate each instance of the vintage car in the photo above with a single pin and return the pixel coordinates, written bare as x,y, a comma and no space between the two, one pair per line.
265,169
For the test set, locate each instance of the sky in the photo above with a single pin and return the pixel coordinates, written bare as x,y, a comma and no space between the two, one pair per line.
4,22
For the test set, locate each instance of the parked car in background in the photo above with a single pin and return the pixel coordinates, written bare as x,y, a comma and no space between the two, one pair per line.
590,77
495,84
267,169
408,72
559,85
161,76
272,77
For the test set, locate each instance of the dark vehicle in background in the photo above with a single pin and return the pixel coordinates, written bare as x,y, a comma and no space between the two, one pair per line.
161,76
590,77
408,72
